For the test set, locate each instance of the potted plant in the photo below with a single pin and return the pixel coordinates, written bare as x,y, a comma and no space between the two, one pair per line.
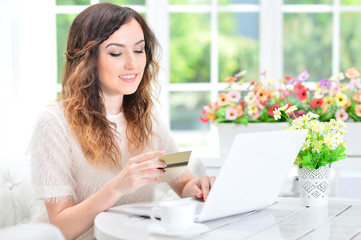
323,146
244,103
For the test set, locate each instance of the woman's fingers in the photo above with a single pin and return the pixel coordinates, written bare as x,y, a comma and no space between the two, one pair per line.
151,164
205,186
202,186
146,156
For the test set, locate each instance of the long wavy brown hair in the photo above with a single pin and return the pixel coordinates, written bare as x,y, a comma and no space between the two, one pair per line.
81,95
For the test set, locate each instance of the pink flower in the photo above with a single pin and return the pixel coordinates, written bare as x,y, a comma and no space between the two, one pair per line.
231,114
354,83
335,89
234,96
255,116
341,114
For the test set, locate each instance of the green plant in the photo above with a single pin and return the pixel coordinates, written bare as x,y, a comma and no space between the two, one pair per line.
324,143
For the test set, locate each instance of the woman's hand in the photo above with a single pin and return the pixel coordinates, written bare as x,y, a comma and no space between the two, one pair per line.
139,171
198,187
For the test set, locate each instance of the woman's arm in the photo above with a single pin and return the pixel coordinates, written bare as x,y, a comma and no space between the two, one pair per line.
74,219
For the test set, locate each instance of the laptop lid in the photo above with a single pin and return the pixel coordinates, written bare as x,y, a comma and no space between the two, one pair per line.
253,172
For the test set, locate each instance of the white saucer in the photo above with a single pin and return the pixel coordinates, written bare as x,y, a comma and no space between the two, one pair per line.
197,228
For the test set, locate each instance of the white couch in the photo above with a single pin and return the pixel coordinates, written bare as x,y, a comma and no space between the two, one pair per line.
18,205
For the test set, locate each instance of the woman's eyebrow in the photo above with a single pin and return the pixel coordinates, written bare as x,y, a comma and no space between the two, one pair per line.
122,45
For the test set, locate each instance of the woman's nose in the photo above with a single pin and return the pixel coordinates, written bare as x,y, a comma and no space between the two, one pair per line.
131,61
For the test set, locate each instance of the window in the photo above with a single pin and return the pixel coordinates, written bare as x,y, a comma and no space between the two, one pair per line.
204,41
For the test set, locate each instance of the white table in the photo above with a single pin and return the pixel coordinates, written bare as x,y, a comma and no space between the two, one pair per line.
286,219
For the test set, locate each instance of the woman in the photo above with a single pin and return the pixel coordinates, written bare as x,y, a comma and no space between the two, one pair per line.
98,145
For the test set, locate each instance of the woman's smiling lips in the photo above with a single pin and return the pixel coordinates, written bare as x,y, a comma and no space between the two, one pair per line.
128,77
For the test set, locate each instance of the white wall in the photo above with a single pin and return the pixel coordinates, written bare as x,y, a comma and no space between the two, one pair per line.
27,68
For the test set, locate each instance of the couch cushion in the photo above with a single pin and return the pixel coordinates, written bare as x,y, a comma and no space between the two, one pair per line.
17,203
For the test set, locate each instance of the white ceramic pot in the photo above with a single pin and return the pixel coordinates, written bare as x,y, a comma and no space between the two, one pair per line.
314,186
227,132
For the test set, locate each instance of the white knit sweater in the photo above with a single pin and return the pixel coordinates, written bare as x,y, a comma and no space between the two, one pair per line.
60,170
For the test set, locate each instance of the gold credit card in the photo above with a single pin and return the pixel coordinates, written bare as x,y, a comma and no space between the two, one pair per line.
178,159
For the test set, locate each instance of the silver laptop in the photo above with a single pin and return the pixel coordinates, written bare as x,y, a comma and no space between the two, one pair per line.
251,176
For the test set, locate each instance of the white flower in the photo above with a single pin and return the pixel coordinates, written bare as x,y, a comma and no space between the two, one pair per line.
330,142
317,146
306,144
250,97
298,123
291,109
277,113
283,108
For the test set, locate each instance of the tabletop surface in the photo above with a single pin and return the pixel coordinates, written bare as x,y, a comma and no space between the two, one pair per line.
286,219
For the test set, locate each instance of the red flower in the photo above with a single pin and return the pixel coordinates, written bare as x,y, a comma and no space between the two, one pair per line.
203,119
288,77
303,95
243,104
316,102
298,88
270,110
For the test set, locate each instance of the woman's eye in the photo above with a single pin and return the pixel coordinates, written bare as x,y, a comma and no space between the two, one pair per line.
140,51
115,54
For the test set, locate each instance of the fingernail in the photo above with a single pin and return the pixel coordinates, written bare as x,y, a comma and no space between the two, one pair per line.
162,152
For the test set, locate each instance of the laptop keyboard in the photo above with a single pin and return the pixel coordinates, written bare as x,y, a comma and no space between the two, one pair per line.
199,206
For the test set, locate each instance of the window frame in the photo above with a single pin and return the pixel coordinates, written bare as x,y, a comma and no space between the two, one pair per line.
271,14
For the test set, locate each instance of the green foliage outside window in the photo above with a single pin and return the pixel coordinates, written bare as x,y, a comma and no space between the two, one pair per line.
125,2
307,44
63,23
72,2
190,47
350,41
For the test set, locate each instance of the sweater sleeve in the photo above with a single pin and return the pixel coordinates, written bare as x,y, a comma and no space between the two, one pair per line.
174,175
50,153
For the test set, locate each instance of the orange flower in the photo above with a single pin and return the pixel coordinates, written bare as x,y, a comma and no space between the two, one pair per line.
352,73
239,110
357,97
358,110
222,100
230,79
347,104
262,95
324,107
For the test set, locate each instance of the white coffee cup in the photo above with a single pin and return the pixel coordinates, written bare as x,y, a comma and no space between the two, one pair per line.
175,216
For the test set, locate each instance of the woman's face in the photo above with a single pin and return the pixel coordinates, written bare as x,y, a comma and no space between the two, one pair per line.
121,60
